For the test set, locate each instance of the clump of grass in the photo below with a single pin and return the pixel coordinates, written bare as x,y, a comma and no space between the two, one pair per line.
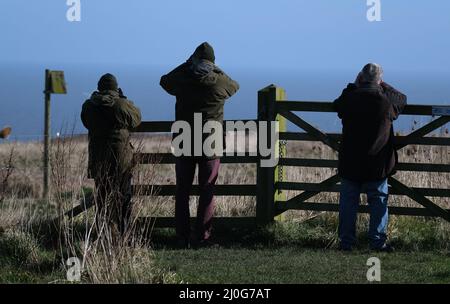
306,234
105,256
126,265
35,233
404,233
420,233
19,247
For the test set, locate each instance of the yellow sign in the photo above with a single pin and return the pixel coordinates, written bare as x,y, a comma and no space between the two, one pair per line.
57,82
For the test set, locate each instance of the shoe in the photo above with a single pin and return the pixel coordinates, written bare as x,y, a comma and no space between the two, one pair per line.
385,248
205,244
183,244
345,248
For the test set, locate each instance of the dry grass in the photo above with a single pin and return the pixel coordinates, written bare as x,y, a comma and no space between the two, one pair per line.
70,176
21,207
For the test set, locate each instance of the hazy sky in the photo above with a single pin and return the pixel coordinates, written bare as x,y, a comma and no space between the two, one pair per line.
320,34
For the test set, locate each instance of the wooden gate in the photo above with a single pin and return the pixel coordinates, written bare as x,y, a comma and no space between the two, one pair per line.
271,186
331,184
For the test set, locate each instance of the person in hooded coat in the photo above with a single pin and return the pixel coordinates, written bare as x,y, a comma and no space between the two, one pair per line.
200,87
109,116
367,155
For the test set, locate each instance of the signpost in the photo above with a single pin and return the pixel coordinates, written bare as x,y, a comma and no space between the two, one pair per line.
54,84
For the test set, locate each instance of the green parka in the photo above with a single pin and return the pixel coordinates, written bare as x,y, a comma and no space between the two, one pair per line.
109,117
200,87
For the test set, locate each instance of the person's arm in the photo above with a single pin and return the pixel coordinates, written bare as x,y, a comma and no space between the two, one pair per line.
338,103
84,115
170,81
227,85
232,86
133,114
396,98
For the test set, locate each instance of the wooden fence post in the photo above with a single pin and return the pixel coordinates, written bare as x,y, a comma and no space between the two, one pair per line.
268,176
47,142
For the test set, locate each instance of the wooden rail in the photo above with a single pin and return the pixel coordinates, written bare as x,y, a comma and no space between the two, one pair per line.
271,186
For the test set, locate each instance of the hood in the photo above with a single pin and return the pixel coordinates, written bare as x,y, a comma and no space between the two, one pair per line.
204,72
205,51
105,98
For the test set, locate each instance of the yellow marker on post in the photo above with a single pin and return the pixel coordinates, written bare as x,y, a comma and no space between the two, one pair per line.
58,83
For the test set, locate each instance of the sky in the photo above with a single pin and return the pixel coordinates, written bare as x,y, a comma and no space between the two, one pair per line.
324,35
312,48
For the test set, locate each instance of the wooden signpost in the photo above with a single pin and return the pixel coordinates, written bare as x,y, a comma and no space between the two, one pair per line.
54,84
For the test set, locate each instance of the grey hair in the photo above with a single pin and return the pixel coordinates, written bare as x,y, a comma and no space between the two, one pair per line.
371,72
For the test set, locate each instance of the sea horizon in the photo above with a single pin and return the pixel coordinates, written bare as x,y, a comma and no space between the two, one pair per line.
23,98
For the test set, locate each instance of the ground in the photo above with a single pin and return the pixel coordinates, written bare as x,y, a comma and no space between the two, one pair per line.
301,249
305,253
294,265
282,253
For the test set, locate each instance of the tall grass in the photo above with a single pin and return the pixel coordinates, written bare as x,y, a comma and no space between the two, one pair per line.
34,225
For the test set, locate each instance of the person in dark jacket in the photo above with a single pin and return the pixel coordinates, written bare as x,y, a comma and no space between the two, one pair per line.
109,117
367,155
200,87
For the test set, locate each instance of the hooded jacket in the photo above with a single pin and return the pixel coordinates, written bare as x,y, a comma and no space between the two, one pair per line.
367,152
200,87
109,117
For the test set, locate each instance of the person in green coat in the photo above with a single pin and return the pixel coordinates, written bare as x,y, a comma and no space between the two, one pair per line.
109,116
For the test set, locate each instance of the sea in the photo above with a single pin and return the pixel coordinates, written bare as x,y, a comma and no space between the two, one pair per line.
22,98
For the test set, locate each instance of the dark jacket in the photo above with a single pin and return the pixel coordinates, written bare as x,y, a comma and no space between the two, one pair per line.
109,117
367,151
200,87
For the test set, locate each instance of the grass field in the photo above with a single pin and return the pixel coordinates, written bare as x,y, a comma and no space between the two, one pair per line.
283,253
297,265
302,249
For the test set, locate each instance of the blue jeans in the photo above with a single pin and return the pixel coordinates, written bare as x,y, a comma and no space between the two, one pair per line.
377,196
